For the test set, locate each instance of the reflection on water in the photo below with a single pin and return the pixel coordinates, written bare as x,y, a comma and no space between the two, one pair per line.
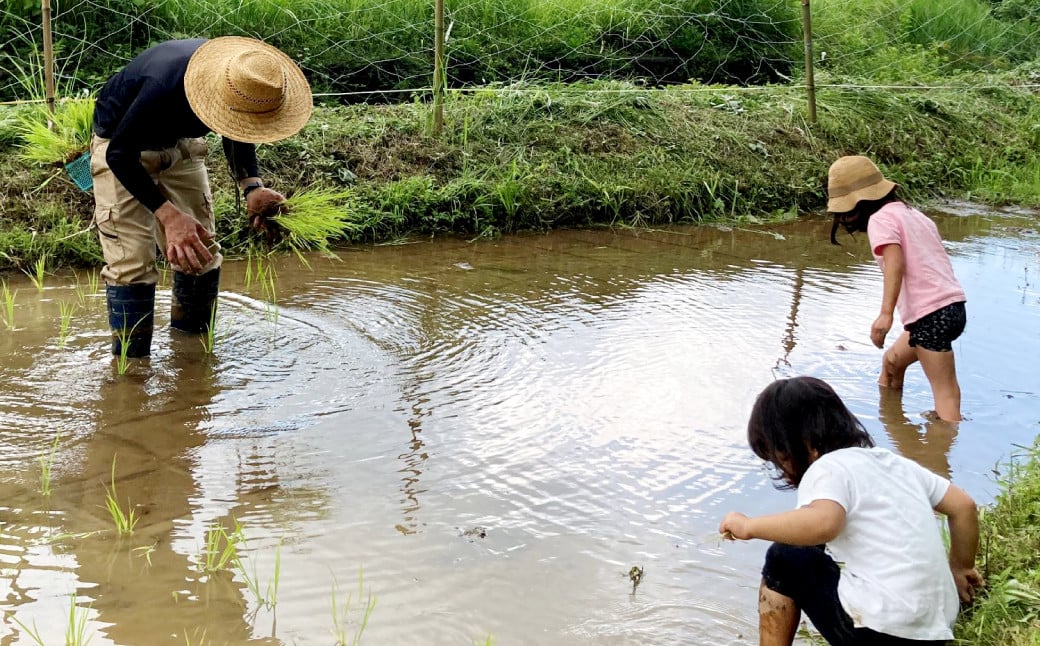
494,433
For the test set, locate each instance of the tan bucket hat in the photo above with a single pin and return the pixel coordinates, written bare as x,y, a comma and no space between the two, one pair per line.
247,90
852,179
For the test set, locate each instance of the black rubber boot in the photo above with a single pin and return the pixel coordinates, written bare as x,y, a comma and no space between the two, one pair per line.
194,301
131,310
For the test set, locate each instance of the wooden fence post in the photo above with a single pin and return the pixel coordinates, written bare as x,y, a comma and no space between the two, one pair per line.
438,67
810,82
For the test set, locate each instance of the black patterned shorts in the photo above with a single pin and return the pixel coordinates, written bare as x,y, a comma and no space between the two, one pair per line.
937,331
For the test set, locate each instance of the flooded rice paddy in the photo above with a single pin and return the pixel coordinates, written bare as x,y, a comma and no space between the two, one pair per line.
485,437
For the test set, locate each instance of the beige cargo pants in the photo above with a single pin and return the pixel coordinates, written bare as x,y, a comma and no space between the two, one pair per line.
128,231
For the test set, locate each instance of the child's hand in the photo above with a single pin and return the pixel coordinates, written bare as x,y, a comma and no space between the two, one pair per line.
735,526
967,580
879,330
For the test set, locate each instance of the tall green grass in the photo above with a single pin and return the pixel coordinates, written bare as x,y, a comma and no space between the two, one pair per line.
1007,611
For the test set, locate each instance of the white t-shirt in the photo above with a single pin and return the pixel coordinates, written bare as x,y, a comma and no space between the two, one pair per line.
895,577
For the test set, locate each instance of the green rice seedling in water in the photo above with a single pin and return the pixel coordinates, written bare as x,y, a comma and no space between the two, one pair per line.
269,598
209,339
33,633
39,272
66,310
9,297
76,628
341,614
124,521
123,361
221,548
46,461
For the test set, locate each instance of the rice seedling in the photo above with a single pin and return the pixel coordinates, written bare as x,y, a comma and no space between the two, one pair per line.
209,339
221,548
33,633
46,462
311,219
124,521
76,628
146,552
38,273
65,311
342,622
57,138
269,597
8,304
90,288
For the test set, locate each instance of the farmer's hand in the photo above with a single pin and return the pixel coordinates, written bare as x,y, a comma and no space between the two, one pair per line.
967,582
261,204
735,526
186,239
879,330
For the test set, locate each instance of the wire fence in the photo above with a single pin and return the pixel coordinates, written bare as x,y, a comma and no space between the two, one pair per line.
384,50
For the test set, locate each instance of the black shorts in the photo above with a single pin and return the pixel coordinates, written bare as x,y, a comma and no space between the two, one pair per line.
809,576
937,331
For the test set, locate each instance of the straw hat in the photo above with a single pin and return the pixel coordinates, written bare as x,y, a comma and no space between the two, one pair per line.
852,179
247,90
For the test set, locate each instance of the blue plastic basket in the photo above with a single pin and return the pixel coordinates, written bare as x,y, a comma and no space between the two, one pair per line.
79,171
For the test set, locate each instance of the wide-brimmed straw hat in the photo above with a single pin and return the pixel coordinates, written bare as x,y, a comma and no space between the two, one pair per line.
247,90
852,179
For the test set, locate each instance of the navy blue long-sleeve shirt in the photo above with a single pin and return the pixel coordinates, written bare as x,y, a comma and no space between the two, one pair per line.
144,107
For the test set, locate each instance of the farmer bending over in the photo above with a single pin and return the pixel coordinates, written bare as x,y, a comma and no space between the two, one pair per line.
150,182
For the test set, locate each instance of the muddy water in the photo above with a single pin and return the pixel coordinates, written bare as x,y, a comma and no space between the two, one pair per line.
494,433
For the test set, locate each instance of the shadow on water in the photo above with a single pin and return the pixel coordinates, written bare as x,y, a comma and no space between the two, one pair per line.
495,432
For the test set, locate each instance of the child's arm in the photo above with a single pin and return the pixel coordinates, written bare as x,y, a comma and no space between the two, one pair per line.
818,522
963,517
894,265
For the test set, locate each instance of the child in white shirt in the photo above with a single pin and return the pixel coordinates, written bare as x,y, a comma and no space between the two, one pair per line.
862,554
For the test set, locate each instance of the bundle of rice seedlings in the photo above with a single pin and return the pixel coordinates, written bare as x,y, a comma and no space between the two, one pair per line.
59,137
309,220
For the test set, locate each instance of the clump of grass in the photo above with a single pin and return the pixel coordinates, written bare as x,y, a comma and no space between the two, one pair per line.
221,548
124,521
57,138
75,627
311,219
1007,611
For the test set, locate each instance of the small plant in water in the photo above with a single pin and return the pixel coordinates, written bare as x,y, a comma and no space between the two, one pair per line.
9,297
341,614
123,360
124,522
75,628
209,339
221,548
46,461
66,310
39,272
269,598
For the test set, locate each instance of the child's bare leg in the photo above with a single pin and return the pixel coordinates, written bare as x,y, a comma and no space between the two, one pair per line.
941,370
777,618
897,359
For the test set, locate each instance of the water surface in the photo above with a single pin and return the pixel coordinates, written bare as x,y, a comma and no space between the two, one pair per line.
493,432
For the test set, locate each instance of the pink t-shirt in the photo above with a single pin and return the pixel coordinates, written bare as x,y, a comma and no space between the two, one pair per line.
928,280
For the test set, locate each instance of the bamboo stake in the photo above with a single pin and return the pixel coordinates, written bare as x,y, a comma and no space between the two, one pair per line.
48,55
438,67
810,82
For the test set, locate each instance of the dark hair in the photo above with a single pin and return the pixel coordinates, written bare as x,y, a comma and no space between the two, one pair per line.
796,415
861,215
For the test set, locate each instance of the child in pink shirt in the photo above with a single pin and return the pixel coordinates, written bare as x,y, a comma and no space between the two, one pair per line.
919,279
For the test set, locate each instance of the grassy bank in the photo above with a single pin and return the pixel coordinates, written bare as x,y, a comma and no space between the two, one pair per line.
1008,611
539,157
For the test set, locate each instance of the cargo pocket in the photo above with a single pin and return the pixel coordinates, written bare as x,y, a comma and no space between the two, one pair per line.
103,222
